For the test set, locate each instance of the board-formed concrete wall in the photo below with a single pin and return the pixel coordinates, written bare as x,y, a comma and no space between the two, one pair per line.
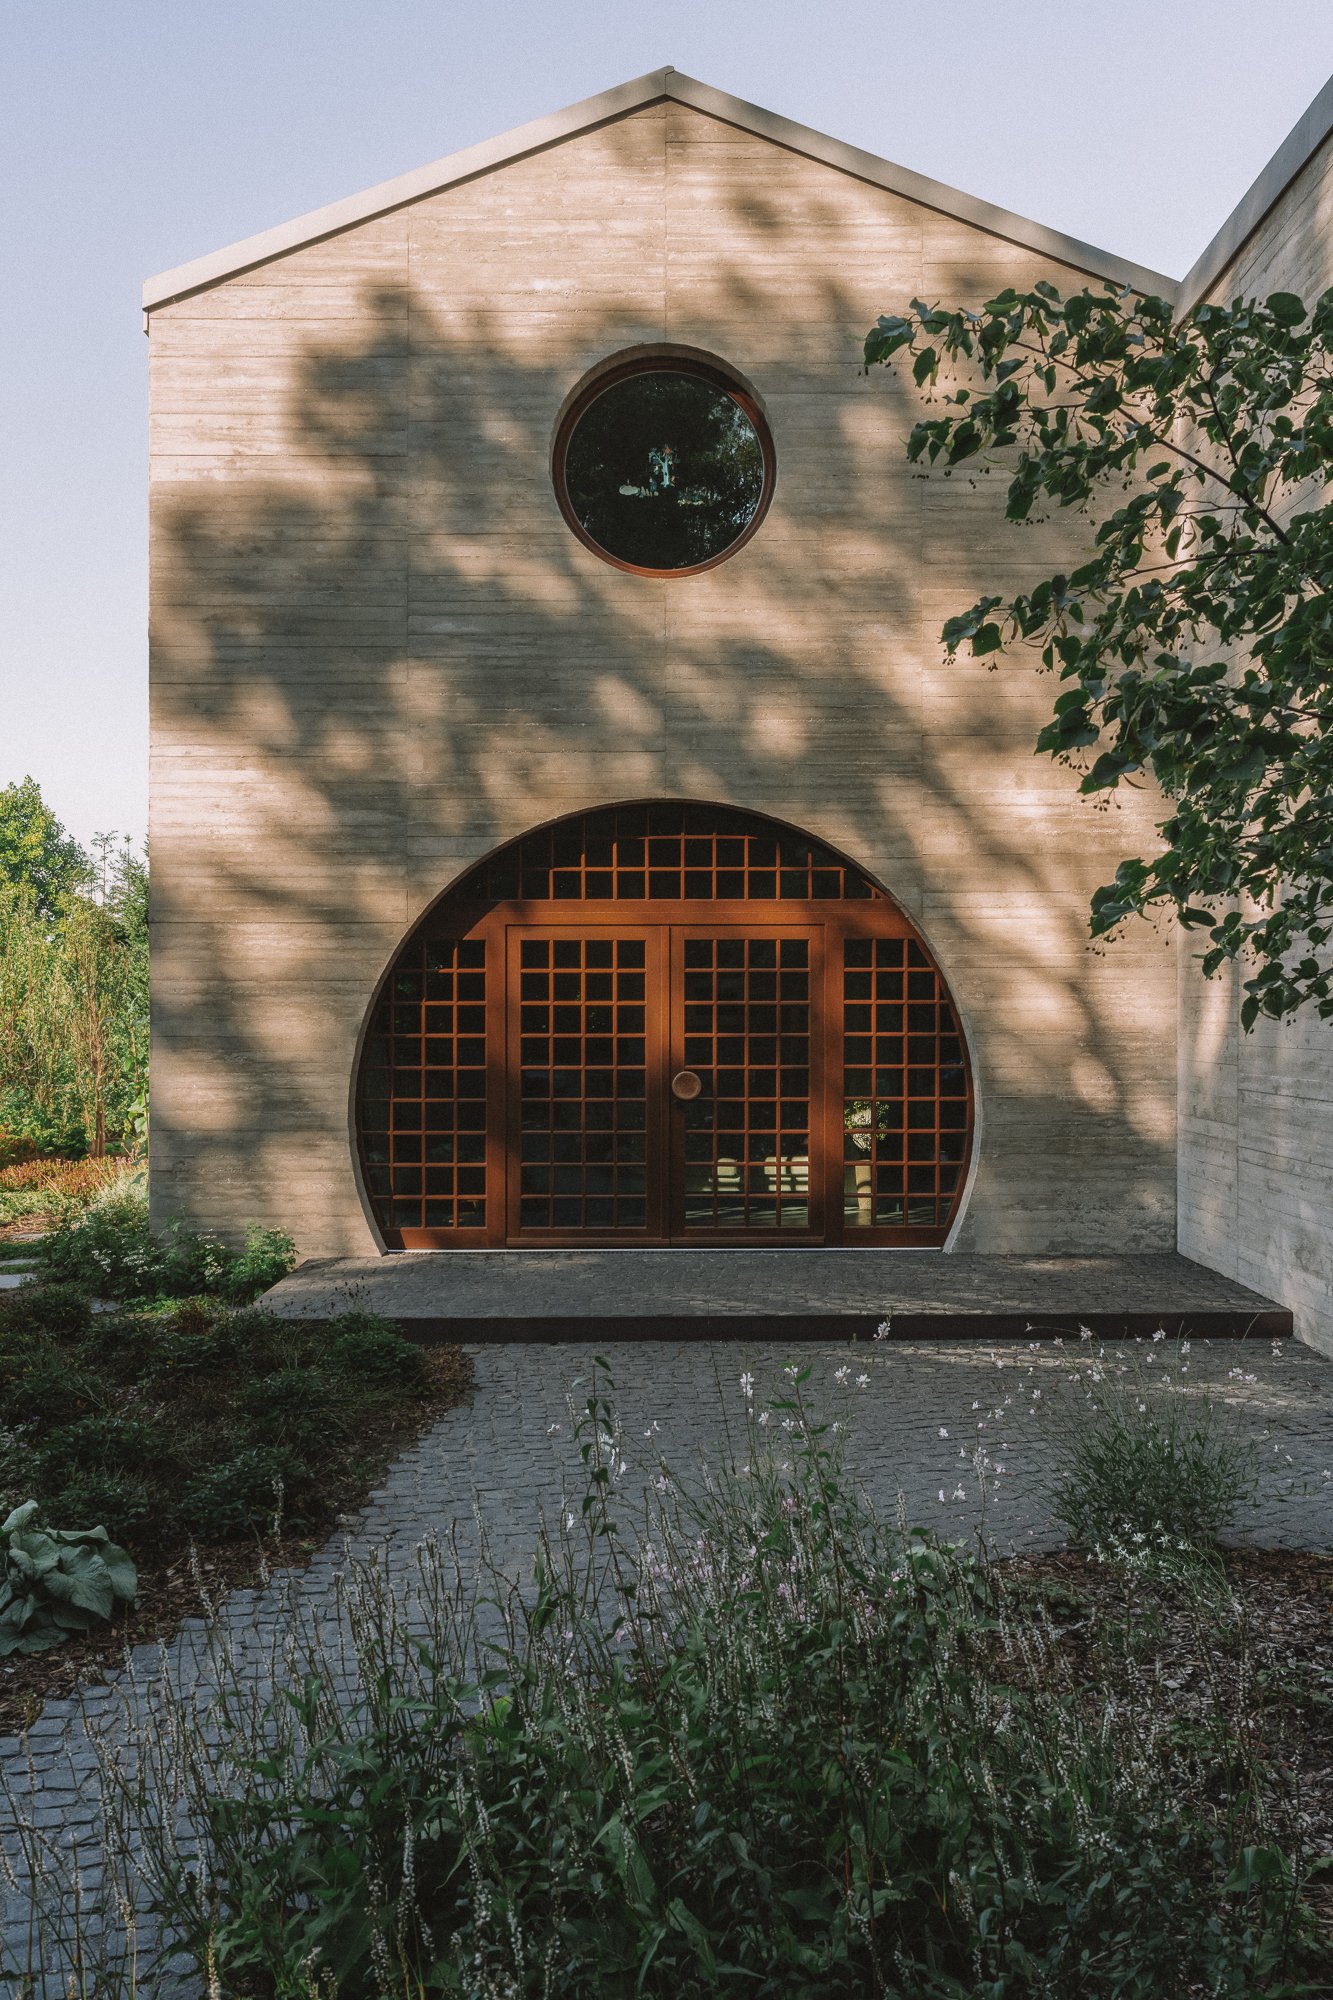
1256,1110
377,652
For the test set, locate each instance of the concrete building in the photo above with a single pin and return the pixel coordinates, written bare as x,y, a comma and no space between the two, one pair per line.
564,825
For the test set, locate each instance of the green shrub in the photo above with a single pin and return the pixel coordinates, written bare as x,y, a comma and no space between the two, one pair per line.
17,1467
44,1308
751,1743
269,1254
1143,1463
56,1581
111,1250
112,1443
242,1495
42,1385
117,1501
298,1407
371,1349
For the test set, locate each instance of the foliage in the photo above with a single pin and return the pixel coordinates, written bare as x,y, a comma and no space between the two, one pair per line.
1143,1464
111,1250
372,1349
57,1581
62,1188
35,848
243,1494
194,1417
1196,640
269,1254
73,996
746,1740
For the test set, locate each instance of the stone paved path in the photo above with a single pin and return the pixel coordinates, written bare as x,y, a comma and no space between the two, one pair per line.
914,1430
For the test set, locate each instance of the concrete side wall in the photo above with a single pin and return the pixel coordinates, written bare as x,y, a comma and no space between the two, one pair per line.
377,651
1256,1110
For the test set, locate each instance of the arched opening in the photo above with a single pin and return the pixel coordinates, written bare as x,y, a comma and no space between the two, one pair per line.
663,1023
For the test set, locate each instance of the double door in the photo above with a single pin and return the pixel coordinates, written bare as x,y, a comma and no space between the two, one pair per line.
664,1083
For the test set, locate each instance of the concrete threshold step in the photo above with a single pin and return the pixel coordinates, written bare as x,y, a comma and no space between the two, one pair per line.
793,1294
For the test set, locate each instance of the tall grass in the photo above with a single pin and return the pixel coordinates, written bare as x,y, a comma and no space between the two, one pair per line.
63,1188
1141,1463
743,1739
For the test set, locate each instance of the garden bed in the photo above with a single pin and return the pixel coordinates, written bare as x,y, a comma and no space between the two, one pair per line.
212,1442
179,1579
1266,1662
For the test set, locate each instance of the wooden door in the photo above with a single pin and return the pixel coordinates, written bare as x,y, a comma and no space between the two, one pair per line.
664,1084
586,1077
747,1151
487,1114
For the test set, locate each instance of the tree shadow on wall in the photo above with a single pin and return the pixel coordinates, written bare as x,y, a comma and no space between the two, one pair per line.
379,652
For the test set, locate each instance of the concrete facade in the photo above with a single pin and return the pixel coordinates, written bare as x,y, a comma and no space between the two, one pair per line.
1256,1110
378,651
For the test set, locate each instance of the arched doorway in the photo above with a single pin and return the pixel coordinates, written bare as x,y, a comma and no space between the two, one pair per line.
663,1023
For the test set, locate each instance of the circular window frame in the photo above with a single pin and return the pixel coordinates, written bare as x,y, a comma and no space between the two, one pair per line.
662,362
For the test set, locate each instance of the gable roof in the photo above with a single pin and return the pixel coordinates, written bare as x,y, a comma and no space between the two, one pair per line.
615,103
1303,141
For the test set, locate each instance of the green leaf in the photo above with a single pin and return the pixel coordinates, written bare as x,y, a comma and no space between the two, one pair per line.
1257,1868
1286,308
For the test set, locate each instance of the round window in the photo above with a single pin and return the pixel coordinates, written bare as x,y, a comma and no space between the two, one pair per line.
664,466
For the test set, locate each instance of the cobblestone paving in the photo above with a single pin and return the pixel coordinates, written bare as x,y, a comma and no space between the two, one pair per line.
914,1427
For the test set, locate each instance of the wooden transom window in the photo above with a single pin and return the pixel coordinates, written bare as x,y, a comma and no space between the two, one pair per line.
661,1024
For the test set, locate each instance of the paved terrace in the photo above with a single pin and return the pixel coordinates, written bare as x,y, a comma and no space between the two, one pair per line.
787,1294
917,1412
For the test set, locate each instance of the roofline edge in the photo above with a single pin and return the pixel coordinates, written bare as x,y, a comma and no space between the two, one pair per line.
454,168
1299,147
385,196
984,215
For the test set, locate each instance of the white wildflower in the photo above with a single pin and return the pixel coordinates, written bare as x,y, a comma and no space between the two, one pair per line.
863,1381
747,1386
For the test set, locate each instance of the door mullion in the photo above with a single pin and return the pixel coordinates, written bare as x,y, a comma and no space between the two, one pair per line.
660,1052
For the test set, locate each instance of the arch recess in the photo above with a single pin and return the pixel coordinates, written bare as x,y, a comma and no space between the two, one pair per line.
663,1023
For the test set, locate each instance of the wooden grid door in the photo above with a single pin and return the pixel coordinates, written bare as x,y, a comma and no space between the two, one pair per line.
586,1058
906,1101
745,1152
515,1083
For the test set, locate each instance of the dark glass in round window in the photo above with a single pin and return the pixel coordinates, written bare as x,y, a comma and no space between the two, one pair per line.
664,469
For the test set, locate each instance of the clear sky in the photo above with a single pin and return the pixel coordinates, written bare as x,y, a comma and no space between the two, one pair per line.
135,134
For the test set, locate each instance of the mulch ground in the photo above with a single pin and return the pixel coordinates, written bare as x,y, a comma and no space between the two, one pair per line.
1264,1661
175,1581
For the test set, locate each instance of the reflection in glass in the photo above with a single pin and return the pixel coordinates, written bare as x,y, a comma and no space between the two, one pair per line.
747,1031
664,470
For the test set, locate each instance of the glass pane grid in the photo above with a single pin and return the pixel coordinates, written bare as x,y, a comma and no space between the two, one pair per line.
904,1088
747,1034
669,854
584,1089
422,1096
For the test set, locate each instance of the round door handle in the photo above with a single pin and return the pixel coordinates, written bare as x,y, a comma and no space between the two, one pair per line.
686,1085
